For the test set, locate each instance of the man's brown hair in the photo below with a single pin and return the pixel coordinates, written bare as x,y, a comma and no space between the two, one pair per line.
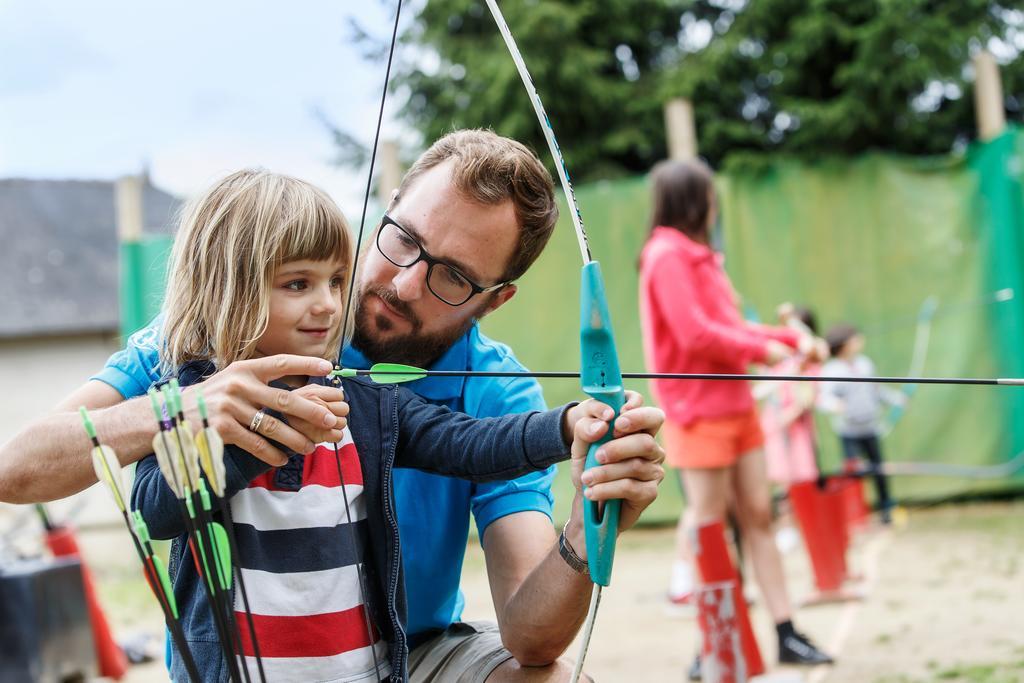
490,169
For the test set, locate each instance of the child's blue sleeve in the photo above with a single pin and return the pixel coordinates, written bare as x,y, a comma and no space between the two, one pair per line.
133,369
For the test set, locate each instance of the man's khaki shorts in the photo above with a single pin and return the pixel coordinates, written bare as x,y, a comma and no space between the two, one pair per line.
464,653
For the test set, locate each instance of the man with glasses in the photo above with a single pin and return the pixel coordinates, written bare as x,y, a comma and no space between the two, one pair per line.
470,217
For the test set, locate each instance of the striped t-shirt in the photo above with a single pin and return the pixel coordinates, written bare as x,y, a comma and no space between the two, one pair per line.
300,568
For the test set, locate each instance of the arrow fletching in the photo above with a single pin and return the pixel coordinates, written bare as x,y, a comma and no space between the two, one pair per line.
395,373
184,460
166,460
222,548
105,464
108,470
384,373
90,429
211,458
189,451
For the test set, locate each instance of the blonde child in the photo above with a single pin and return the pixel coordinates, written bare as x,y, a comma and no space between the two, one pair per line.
260,267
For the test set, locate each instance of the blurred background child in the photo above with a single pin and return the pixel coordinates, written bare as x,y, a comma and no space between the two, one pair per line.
857,409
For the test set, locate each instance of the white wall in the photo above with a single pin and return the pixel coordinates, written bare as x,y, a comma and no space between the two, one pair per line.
34,375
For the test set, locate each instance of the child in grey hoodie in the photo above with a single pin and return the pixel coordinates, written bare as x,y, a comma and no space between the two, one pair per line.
857,409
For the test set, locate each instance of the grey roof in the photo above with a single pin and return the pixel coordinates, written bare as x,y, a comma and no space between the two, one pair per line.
59,254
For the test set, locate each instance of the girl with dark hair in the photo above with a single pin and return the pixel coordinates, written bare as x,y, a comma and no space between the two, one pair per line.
712,433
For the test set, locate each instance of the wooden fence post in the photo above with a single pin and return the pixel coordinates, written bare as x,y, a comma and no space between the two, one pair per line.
681,129
390,172
989,109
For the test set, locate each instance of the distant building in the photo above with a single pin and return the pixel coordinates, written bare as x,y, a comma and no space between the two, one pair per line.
59,318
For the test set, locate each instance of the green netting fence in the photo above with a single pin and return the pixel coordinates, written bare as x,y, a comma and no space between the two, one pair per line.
865,241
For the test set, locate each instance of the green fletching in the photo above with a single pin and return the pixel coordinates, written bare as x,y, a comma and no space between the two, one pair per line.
395,373
202,407
188,504
204,494
165,391
90,429
141,530
223,550
108,470
176,395
154,400
211,457
165,581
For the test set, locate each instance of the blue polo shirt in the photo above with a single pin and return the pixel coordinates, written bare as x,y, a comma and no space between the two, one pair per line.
433,511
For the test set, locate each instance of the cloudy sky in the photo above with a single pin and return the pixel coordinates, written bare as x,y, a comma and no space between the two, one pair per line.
97,89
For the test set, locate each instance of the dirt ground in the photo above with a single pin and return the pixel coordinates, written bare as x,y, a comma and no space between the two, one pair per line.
945,602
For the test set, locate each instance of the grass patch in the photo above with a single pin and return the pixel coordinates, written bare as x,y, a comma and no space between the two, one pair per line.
983,673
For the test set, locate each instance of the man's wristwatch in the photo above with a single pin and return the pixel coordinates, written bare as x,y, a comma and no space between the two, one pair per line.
578,564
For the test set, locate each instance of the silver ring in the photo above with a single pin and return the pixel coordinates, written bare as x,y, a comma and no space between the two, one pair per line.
257,419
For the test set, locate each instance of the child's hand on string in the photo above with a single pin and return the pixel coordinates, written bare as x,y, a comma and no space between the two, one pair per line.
333,399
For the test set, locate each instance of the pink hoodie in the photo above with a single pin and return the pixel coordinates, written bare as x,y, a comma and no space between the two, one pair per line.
691,323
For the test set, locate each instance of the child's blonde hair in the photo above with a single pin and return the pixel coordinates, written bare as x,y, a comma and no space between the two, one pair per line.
231,240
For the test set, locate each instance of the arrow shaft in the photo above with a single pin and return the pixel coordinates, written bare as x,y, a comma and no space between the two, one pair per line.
724,377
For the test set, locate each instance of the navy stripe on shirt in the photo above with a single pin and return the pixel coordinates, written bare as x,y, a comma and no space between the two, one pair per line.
300,550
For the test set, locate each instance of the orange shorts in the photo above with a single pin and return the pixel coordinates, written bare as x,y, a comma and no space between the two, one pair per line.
712,442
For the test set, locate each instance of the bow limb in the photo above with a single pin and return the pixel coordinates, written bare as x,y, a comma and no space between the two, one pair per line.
922,337
599,372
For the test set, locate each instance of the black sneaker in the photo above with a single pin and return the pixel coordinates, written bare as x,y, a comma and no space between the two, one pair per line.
797,648
885,515
694,674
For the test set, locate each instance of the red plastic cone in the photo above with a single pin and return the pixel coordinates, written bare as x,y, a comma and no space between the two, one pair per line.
721,653
816,516
857,510
113,663
715,566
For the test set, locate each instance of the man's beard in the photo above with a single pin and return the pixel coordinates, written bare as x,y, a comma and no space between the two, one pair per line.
412,348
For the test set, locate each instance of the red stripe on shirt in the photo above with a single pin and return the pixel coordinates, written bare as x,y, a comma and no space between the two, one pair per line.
311,635
320,468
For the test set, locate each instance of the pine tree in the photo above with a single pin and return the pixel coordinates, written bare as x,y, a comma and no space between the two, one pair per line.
803,77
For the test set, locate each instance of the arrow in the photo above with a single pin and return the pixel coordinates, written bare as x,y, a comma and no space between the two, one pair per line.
108,470
217,550
211,458
396,373
170,459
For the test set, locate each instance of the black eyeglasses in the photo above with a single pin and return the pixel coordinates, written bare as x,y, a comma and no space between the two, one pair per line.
443,280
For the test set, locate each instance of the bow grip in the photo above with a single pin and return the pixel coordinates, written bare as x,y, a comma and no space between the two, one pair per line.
602,380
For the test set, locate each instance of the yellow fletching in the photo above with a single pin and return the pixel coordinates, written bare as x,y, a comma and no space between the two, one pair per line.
189,454
211,458
166,458
108,470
